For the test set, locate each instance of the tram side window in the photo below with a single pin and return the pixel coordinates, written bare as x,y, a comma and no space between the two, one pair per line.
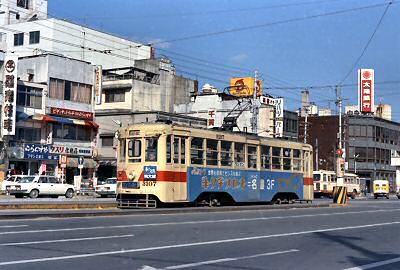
183,151
122,144
176,150
135,151
151,149
168,149
296,160
287,158
226,153
196,151
265,157
239,155
276,158
252,157
212,152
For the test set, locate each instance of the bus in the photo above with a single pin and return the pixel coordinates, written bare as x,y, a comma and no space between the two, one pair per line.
324,181
162,163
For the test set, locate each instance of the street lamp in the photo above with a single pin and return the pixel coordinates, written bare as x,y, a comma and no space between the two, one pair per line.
355,162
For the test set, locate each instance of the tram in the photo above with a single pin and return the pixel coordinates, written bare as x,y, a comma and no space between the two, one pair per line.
167,163
324,181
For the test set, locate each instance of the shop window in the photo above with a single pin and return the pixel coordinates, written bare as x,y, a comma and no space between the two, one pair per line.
212,152
114,95
151,149
28,134
72,91
19,39
226,153
71,132
29,97
107,141
197,151
34,37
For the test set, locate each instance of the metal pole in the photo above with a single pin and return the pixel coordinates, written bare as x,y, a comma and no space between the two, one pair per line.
355,165
254,118
305,126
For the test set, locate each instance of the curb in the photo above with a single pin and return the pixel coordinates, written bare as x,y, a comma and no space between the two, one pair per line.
112,211
45,206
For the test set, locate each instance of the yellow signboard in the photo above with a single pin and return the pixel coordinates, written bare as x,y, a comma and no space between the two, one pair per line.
244,87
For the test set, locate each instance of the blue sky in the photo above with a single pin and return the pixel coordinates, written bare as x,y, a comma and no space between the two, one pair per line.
310,52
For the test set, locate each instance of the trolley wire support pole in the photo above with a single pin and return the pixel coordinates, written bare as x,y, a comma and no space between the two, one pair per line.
340,159
254,108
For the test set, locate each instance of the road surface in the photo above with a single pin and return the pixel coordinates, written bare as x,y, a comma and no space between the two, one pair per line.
362,236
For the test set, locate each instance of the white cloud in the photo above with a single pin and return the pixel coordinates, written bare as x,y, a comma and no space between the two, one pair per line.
239,58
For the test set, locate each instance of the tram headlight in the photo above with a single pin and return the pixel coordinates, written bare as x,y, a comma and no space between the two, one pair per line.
131,176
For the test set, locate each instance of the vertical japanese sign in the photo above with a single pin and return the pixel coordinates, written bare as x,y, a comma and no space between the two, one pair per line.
211,118
8,111
279,117
366,90
98,83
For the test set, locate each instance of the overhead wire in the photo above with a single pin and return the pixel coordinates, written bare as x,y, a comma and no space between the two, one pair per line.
368,43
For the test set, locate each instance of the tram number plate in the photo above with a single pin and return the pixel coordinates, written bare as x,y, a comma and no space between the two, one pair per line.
149,183
130,185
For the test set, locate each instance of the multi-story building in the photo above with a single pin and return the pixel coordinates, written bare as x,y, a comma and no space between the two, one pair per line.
144,92
22,10
54,117
26,30
368,142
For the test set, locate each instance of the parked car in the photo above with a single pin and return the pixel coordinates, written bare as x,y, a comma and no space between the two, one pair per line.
107,188
10,181
41,185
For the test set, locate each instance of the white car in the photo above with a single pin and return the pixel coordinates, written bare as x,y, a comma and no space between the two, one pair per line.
107,188
40,185
10,181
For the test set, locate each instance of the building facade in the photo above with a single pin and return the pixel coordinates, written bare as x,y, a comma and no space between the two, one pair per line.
144,92
22,10
73,41
54,117
368,142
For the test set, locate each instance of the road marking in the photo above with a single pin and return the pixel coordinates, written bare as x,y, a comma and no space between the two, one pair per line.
194,244
66,240
374,265
190,265
13,226
190,222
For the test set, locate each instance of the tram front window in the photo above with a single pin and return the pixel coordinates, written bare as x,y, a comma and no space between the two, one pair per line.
151,149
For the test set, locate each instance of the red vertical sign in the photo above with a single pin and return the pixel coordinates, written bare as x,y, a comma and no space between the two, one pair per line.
366,90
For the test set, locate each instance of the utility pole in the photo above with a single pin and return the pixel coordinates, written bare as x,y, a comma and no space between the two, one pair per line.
254,109
340,152
305,124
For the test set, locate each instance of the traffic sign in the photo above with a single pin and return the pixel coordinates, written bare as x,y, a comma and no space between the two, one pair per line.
81,160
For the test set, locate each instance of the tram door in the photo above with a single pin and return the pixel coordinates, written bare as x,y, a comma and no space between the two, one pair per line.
180,185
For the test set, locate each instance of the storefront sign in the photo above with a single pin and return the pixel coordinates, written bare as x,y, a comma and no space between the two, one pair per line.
211,118
98,84
8,112
279,108
278,128
39,152
71,113
366,90
71,150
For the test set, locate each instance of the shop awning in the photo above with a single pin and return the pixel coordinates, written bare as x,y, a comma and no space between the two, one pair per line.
88,163
64,120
